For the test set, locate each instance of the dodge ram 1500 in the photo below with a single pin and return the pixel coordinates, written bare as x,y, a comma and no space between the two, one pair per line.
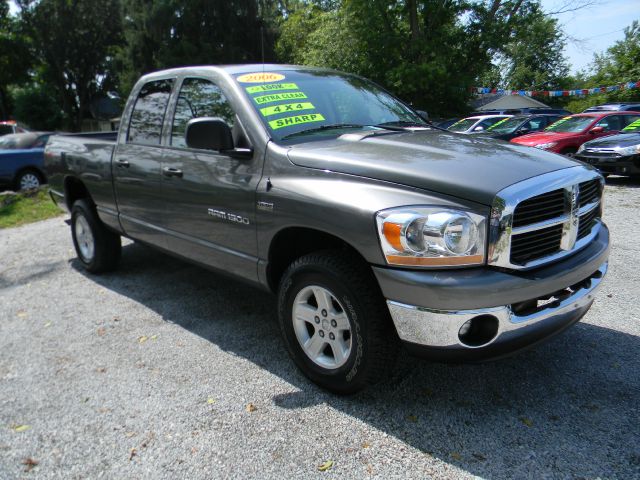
373,228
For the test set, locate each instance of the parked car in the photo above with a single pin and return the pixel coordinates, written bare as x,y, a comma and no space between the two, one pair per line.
447,123
475,124
519,125
22,160
617,154
8,127
370,227
526,111
614,107
567,134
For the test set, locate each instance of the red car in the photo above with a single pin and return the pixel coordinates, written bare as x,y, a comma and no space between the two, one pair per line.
567,134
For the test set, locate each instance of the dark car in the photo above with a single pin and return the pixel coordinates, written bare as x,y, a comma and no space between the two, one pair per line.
617,154
519,125
370,226
448,122
525,111
614,107
22,160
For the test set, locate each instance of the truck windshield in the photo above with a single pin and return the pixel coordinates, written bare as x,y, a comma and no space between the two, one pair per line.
570,124
294,104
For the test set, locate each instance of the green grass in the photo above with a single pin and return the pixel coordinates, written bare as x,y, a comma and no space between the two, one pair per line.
26,207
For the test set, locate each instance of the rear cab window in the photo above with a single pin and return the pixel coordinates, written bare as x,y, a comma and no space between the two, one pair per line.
147,116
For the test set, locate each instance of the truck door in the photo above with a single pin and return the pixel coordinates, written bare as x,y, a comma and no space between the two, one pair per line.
209,197
137,164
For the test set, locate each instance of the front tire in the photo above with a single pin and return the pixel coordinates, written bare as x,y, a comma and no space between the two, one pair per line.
335,322
97,247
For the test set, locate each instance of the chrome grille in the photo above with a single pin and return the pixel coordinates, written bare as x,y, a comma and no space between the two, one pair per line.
545,218
539,208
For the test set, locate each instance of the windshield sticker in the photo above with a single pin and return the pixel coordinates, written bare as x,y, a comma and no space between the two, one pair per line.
297,120
279,96
260,77
269,87
498,123
287,107
632,126
558,122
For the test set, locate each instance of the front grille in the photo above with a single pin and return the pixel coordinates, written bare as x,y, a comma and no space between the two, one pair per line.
600,153
539,208
536,244
589,192
586,223
545,225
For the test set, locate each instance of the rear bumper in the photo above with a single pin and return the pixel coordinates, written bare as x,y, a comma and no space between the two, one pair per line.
429,308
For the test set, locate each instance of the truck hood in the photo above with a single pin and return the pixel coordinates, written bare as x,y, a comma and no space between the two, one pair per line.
543,137
463,166
620,140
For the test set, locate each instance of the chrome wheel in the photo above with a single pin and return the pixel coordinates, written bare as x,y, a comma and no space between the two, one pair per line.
29,181
84,238
322,327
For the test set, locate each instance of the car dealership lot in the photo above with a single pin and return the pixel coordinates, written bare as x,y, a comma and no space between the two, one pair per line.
162,369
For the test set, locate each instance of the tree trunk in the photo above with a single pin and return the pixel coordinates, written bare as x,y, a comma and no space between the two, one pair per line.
413,19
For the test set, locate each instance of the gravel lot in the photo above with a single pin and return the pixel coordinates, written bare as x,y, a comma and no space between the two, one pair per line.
148,373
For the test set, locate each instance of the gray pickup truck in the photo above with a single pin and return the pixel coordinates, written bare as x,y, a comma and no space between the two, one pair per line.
373,228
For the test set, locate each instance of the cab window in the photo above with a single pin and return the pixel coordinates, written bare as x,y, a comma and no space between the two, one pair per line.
198,98
612,122
145,127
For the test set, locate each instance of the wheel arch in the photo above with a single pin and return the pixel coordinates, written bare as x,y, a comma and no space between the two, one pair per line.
293,242
75,189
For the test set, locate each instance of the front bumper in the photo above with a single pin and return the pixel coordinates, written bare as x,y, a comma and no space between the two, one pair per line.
615,165
519,309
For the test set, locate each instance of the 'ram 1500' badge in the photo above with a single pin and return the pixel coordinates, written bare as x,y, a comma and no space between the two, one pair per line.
231,217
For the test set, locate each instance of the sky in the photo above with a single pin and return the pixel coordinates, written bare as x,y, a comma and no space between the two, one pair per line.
590,30
594,29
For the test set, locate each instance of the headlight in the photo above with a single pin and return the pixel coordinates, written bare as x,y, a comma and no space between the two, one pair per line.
633,150
431,236
581,148
546,146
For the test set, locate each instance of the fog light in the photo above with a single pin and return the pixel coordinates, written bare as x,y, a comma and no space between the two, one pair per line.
478,331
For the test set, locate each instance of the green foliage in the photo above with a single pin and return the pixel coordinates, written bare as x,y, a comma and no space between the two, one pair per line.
171,33
37,107
26,207
429,52
15,58
73,43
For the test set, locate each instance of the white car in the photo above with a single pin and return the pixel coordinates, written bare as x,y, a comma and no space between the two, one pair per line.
476,124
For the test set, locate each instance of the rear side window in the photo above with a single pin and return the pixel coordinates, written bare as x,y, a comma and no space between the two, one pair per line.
198,98
148,113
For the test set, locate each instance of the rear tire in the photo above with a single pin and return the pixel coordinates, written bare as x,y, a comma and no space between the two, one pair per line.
28,180
97,247
335,322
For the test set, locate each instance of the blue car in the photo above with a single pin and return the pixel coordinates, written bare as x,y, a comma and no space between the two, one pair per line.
22,160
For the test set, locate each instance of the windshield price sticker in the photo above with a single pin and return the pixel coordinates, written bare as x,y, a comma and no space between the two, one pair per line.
497,123
297,120
269,87
279,96
632,126
260,77
287,107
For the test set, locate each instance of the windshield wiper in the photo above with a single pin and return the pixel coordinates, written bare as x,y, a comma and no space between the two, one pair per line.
323,127
401,124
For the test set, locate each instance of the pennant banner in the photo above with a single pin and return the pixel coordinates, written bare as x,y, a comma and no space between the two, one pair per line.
556,93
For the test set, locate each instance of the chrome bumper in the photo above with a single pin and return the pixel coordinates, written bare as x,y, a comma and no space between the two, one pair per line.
440,329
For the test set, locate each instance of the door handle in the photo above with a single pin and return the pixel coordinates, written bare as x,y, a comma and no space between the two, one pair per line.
171,172
122,163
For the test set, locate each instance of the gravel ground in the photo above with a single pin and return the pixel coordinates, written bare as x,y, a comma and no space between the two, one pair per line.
149,373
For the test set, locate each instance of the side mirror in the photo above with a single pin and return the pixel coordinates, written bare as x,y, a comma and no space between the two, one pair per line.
424,115
478,129
209,133
524,130
597,130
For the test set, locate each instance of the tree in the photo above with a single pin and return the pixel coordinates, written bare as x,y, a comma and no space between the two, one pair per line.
14,56
171,33
73,42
